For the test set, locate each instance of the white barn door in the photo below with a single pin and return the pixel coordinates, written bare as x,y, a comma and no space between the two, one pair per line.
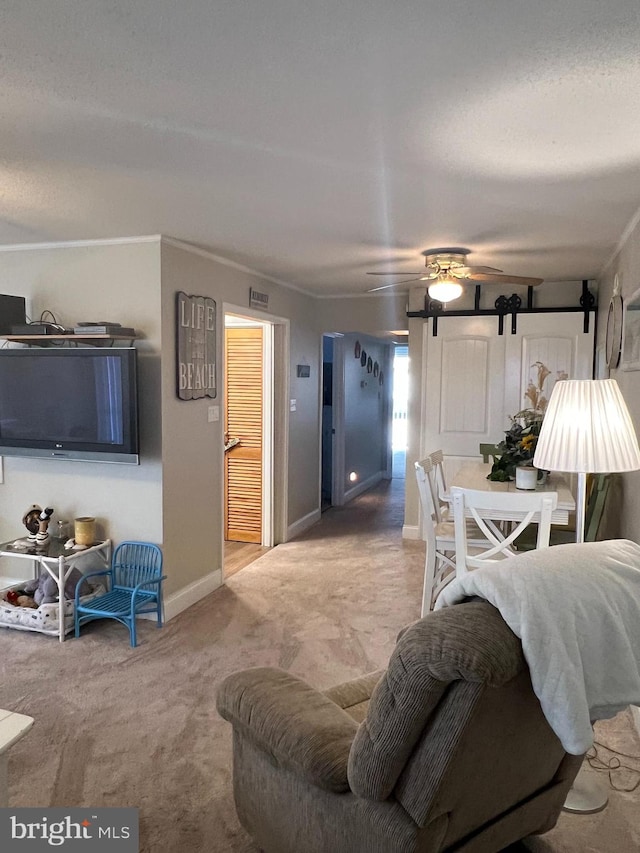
473,378
556,340
463,385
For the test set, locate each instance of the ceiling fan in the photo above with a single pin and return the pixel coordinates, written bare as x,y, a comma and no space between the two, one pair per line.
447,270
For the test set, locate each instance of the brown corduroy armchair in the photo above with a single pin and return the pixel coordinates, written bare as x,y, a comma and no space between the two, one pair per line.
446,750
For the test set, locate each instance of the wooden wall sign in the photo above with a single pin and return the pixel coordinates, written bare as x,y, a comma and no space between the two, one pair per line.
195,346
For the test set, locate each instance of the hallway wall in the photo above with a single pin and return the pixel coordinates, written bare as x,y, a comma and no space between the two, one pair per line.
622,514
366,412
193,446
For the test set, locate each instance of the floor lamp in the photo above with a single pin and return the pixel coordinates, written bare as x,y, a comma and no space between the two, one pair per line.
587,429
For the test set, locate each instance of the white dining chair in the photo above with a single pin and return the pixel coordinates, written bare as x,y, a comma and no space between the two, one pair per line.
524,507
439,562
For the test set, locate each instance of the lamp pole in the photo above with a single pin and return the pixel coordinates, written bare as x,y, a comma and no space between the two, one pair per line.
581,506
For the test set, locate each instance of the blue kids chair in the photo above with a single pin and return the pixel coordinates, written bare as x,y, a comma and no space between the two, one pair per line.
135,587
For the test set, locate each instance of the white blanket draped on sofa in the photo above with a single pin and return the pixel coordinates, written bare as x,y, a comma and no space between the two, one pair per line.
576,609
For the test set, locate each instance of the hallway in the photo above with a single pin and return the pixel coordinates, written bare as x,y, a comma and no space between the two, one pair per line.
387,498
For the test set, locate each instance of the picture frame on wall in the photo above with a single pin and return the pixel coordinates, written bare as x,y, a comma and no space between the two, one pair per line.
631,333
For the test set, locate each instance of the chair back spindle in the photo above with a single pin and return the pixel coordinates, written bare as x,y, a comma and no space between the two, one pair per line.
439,485
135,563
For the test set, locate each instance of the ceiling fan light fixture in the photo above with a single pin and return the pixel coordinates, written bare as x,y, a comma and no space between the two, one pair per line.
445,289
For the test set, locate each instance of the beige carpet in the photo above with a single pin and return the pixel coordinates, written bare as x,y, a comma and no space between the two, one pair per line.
138,727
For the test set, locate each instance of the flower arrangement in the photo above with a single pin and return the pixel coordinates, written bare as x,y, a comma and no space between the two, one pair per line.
519,444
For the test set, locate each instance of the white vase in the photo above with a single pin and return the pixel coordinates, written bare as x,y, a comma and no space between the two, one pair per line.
526,477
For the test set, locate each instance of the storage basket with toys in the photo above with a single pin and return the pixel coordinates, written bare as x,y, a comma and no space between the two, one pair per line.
18,607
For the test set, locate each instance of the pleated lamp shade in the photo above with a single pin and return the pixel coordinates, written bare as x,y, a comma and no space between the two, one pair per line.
587,428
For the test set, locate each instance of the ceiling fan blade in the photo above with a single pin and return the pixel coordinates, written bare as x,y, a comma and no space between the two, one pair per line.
395,284
404,272
506,279
472,270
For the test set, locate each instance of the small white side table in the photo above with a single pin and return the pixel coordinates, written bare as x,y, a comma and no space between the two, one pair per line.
12,728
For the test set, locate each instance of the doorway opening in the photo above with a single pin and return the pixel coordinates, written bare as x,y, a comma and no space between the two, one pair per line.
253,517
400,404
328,430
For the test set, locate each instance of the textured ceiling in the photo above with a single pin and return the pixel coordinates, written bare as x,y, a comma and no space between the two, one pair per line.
316,141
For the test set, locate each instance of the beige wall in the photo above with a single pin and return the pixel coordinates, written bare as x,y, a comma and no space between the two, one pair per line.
174,497
622,517
371,315
192,447
98,282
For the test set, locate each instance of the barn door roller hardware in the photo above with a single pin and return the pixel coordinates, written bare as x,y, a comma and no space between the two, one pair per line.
504,306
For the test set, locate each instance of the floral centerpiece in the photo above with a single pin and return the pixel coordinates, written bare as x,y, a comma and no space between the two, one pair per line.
519,444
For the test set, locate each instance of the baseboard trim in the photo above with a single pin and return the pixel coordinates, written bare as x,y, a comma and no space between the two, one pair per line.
411,531
188,595
303,524
635,713
352,493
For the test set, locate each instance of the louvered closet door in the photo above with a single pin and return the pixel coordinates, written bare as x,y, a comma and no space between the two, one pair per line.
243,463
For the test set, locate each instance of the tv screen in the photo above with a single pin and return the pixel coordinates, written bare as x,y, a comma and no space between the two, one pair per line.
76,403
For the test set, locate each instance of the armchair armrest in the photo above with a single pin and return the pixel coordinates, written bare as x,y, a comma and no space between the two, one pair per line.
299,727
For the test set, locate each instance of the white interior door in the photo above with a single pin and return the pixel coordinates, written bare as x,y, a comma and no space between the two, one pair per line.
473,378
556,340
463,391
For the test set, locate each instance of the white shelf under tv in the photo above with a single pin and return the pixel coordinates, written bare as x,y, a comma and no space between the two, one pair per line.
46,340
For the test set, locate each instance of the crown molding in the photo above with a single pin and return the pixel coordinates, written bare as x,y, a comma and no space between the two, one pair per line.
204,253
628,231
74,244
185,247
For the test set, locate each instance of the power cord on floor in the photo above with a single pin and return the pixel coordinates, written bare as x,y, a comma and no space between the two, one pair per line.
613,763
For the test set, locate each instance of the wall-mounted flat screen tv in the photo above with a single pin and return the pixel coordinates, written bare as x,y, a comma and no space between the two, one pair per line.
69,403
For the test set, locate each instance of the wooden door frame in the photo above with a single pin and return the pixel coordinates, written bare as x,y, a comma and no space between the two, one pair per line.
275,422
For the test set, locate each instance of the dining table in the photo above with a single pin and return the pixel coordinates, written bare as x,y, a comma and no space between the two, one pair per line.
473,475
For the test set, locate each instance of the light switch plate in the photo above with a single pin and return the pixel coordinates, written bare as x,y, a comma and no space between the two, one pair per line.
292,405
213,414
